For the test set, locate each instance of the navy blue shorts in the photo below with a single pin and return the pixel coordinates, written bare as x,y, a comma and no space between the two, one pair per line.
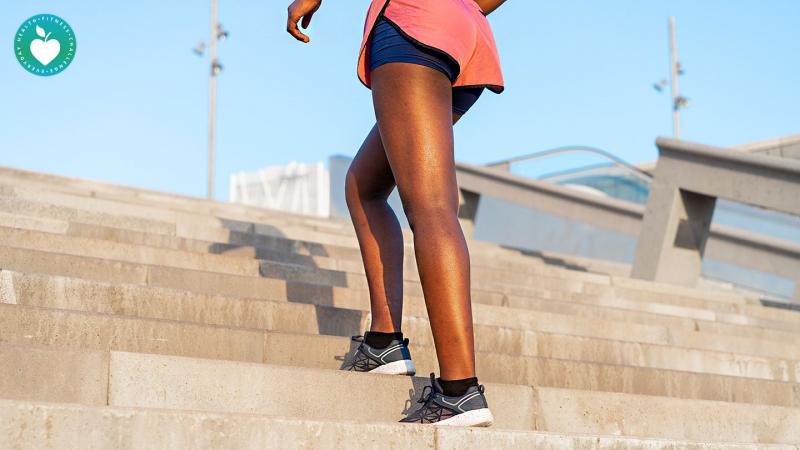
389,45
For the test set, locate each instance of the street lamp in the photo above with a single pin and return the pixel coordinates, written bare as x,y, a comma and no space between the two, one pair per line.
675,71
218,33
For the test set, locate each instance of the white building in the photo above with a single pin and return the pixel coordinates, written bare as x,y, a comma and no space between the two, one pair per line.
297,188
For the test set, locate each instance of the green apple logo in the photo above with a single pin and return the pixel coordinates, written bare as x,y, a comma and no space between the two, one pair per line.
43,50
45,45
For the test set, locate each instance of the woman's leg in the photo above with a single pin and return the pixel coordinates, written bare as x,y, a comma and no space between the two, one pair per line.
413,106
368,184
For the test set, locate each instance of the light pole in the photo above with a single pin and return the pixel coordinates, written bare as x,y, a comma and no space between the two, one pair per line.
217,34
675,71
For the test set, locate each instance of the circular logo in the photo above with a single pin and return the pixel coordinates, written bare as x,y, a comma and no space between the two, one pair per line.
44,45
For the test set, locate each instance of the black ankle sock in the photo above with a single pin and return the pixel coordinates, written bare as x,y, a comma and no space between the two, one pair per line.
376,339
457,388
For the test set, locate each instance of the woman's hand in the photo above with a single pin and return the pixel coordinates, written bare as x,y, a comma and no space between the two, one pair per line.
301,9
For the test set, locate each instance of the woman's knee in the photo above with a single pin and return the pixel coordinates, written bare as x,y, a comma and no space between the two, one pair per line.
351,193
429,212
355,191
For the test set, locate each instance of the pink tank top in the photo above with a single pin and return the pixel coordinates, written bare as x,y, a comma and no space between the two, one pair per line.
456,27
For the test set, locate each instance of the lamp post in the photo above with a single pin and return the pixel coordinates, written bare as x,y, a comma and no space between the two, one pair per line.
217,34
675,71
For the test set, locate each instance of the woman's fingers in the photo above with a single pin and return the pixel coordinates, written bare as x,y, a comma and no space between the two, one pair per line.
291,25
301,10
307,19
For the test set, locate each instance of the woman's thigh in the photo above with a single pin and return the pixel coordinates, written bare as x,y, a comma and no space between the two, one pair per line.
413,109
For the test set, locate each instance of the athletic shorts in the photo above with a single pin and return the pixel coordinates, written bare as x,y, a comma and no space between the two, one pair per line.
390,45
457,31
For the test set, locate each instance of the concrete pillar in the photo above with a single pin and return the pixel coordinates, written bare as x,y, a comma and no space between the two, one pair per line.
468,211
673,235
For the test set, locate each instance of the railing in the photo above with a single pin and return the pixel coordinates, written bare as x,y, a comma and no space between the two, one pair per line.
729,245
505,164
688,180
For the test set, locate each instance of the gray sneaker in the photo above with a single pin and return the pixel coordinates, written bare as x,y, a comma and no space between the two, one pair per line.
468,410
392,360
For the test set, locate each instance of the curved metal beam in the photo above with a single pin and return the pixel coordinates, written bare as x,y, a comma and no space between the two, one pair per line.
572,148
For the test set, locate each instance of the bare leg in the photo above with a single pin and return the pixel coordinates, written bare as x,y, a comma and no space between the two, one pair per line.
413,106
368,184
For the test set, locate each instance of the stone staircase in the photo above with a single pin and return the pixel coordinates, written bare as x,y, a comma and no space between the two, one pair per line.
136,319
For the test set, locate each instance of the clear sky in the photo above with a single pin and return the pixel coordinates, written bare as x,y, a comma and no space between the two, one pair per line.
132,106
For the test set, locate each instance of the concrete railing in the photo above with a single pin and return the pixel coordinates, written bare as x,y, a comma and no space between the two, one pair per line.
687,182
729,245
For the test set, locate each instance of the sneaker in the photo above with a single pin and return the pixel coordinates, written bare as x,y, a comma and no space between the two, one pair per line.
395,359
468,410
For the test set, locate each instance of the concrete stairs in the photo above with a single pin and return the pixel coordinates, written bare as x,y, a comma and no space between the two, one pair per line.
137,319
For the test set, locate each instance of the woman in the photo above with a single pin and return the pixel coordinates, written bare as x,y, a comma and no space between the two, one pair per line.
426,62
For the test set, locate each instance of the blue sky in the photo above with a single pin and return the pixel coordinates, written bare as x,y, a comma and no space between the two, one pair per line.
132,107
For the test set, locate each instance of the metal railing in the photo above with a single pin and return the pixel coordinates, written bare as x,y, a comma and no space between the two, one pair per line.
624,165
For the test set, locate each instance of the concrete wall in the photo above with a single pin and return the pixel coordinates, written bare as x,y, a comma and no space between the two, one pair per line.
784,147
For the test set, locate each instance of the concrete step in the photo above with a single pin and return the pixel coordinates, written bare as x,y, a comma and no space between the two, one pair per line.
728,298
348,260
724,306
146,197
39,372
151,209
58,243
278,250
285,251
20,207
40,326
150,303
783,329
674,317
170,201
143,293
30,425
181,224
58,234
495,366
157,381
591,344
126,194
736,313
138,237
269,289
638,301
335,258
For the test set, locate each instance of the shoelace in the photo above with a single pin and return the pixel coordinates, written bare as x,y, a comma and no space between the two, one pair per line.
427,392
430,411
360,362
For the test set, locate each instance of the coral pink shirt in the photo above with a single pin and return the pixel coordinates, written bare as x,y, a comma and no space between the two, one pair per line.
456,27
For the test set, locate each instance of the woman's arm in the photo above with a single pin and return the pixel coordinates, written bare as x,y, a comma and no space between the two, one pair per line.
301,9
489,5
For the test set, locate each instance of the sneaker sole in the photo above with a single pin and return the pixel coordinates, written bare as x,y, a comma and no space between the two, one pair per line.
403,367
475,418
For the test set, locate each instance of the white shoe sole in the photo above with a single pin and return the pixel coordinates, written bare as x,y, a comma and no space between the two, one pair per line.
475,418
404,367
